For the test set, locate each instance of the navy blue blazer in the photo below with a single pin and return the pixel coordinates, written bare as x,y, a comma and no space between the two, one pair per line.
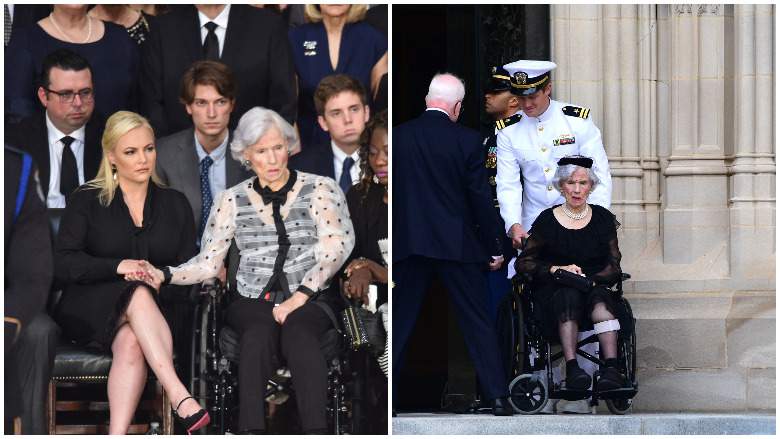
314,159
442,204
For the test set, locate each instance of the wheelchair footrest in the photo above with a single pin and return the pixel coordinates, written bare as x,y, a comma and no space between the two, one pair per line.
621,393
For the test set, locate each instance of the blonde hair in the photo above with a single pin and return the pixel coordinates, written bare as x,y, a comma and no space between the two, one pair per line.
313,13
119,124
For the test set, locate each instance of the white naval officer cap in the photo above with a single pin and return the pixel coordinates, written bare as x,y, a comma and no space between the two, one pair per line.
529,76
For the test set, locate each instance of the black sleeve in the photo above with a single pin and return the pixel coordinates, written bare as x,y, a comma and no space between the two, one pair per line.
150,84
72,262
187,247
29,265
611,272
282,87
480,197
529,262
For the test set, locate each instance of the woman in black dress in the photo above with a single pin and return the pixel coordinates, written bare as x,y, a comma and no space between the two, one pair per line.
579,238
111,226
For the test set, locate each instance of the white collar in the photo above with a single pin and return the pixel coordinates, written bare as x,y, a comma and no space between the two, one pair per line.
55,135
544,117
340,155
215,155
220,20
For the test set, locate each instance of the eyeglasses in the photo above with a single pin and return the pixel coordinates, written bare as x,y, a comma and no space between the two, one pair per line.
67,96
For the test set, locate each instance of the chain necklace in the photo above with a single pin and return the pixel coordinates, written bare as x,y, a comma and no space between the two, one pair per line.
575,216
67,38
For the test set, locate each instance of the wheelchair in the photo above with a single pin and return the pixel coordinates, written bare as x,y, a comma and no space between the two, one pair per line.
214,365
532,352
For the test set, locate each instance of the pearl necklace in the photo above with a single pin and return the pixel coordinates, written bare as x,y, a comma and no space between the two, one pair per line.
575,216
67,38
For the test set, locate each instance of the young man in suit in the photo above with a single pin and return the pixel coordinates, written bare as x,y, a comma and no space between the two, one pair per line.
197,160
445,193
342,109
251,41
65,139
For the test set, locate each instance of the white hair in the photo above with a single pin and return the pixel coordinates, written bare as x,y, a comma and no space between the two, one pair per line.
564,172
447,88
256,123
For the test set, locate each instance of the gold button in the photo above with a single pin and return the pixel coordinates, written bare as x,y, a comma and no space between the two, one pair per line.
546,170
541,128
549,188
544,149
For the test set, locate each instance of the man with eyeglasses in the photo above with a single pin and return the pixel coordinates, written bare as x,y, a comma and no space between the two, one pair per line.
64,141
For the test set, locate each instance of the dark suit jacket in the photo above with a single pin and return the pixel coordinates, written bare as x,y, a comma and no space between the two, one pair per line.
177,166
439,174
31,135
256,49
314,159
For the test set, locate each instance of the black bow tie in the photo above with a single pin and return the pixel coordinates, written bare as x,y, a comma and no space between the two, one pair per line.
269,196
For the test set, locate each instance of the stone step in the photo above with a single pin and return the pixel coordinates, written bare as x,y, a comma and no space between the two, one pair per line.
644,423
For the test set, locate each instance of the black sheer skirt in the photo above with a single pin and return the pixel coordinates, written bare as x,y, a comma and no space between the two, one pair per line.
555,304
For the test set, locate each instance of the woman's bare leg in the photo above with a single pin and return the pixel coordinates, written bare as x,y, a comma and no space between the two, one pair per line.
154,337
607,340
567,331
126,380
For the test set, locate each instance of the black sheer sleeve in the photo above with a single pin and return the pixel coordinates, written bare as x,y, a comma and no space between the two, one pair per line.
610,274
529,261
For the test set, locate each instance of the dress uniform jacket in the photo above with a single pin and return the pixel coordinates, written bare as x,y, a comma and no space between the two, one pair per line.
532,148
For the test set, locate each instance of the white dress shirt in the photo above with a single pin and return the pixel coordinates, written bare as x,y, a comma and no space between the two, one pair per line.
55,199
534,145
221,21
338,163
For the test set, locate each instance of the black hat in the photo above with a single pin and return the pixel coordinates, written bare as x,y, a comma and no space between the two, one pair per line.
577,160
499,80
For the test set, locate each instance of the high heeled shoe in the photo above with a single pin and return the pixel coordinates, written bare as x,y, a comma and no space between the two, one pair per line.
192,422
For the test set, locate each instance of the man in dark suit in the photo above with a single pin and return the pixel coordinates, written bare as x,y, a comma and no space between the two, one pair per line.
197,160
439,174
64,140
28,274
252,41
342,109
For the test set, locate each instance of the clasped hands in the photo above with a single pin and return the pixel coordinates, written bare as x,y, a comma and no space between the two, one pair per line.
133,269
360,274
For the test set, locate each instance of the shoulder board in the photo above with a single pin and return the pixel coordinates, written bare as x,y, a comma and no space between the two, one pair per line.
571,110
511,120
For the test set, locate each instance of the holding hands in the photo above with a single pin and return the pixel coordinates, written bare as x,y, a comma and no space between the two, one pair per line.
140,270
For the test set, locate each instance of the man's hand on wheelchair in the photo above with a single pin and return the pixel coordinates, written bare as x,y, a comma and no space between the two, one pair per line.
517,233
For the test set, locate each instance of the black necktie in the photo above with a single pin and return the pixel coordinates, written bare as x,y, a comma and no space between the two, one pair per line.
346,177
211,45
69,173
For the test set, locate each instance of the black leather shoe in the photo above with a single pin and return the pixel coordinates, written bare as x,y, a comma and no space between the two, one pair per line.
501,407
576,378
610,379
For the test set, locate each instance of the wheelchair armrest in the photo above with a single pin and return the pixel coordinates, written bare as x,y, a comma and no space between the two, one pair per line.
625,276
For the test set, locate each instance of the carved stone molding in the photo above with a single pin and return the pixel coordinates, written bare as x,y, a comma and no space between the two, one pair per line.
698,10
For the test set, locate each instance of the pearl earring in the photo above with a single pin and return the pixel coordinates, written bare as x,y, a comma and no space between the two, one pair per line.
247,163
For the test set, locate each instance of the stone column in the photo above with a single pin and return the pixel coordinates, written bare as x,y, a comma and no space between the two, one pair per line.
752,198
695,218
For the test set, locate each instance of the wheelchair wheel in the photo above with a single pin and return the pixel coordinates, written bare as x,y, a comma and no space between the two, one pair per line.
528,394
619,406
627,347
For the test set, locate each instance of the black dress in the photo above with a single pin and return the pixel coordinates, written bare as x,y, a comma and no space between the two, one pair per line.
94,239
369,217
594,248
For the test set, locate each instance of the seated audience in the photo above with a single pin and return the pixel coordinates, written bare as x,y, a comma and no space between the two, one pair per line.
109,50
294,233
336,41
111,226
343,113
580,238
251,41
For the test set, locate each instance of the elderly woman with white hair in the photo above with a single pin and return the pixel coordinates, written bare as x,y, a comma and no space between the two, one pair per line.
578,238
293,232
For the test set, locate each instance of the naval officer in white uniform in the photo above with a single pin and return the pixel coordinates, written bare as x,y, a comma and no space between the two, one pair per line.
532,147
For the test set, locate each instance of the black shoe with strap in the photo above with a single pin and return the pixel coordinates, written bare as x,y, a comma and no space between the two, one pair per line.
193,422
610,379
576,378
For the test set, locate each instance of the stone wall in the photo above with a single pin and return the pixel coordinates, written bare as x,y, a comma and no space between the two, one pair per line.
684,97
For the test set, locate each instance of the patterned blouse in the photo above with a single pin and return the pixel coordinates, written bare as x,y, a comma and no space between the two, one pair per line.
318,240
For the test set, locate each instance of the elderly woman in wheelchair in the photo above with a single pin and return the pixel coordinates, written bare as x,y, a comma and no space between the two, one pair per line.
571,259
293,232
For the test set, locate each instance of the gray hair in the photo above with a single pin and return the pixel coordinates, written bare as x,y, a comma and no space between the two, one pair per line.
256,123
564,172
446,87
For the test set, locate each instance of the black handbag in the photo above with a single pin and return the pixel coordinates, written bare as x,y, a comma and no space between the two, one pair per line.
363,328
573,280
